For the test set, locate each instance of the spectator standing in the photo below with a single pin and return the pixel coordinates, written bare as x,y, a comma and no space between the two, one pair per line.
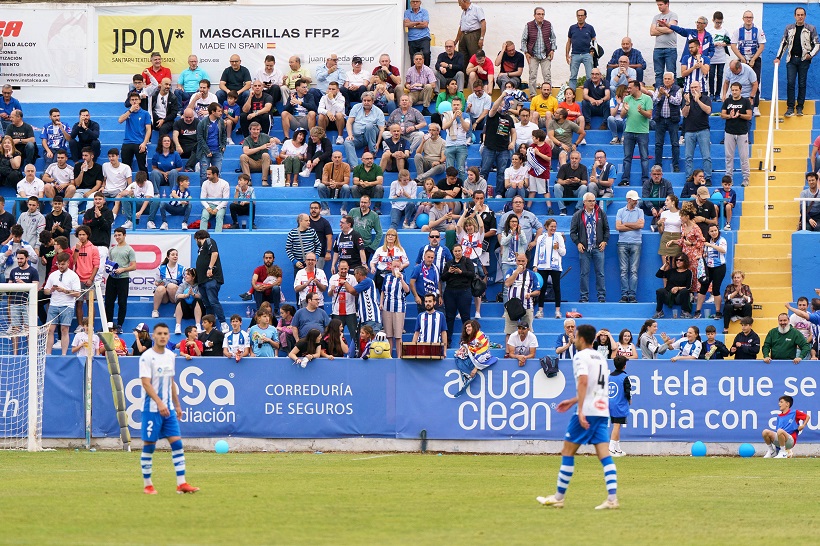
185,139
737,111
212,138
525,285
722,39
589,231
458,275
457,124
310,280
665,53
86,265
63,286
629,222
32,221
550,249
210,276
325,233
580,39
499,142
715,261
431,326
99,220
539,44
800,44
471,29
697,107
638,110
666,115
349,245
343,304
748,43
301,241
137,133
426,278
417,21
393,304
121,261
367,224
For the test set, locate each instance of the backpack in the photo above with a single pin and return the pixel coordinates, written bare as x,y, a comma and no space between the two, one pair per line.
478,286
549,366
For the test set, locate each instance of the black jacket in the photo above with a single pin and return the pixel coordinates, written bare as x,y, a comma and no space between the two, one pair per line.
171,110
458,281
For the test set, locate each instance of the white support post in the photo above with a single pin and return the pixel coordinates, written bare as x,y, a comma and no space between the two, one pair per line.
33,375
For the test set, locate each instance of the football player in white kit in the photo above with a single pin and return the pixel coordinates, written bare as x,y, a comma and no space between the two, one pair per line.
590,425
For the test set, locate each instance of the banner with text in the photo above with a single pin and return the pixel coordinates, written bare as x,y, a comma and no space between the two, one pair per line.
127,35
271,398
44,47
151,251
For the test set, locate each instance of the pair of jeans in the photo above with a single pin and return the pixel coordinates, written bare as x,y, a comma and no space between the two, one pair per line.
499,160
558,190
405,215
456,301
510,193
629,259
129,206
796,69
616,126
326,193
588,110
238,210
219,218
662,127
157,179
703,140
630,140
209,290
575,62
175,210
214,160
664,59
456,156
594,257
360,140
274,298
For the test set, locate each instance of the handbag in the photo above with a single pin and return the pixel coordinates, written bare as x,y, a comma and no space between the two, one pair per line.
515,309
702,276
478,286
380,347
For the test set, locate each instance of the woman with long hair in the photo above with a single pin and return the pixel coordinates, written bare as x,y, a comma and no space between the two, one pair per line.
550,248
292,154
470,235
333,340
307,348
167,280
447,94
393,304
677,283
166,164
10,162
669,228
625,347
690,242
616,120
737,300
425,191
648,343
511,241
474,182
573,110
715,258
689,346
474,351
390,251
189,301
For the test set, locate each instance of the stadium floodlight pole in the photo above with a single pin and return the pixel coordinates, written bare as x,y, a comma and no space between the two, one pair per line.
34,400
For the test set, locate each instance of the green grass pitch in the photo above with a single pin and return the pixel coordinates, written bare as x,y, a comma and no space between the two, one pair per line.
68,497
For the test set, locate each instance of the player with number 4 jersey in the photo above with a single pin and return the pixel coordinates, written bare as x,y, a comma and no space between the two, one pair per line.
161,409
590,425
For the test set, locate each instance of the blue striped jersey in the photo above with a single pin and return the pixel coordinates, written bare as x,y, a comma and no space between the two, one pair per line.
395,300
367,301
430,326
159,367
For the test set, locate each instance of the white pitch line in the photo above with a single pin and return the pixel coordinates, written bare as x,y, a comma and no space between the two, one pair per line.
373,457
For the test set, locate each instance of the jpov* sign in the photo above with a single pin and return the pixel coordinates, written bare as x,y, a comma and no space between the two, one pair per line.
125,42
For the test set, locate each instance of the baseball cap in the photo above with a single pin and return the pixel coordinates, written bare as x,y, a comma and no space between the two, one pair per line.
356,59
704,191
523,324
141,327
632,194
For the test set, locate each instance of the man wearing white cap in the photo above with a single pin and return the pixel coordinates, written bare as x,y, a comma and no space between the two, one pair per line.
629,223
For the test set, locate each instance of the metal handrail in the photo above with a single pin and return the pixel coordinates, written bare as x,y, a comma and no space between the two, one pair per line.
803,201
774,125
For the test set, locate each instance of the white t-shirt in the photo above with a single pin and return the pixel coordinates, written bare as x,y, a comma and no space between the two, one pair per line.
159,367
800,324
30,189
289,148
236,340
671,221
302,277
590,363
358,79
522,347
80,340
339,296
68,280
523,133
117,179
141,192
200,105
61,176
517,175
274,78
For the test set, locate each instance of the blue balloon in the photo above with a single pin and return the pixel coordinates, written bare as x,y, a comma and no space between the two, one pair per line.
698,449
422,220
445,107
746,450
221,447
